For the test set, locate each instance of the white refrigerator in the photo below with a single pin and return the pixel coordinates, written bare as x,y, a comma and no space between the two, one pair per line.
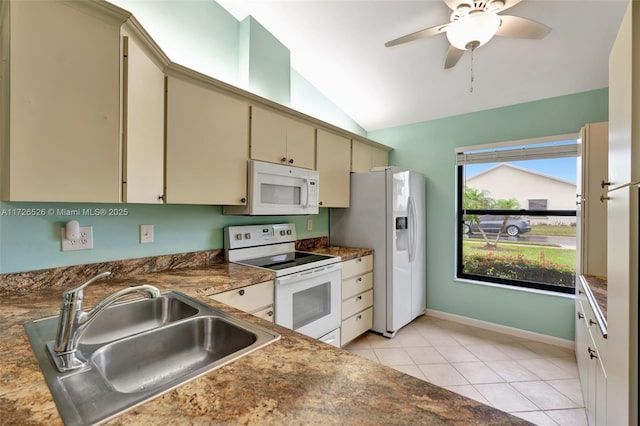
387,214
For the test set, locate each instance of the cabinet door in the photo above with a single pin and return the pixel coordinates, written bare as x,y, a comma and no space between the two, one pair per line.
276,138
143,125
207,145
333,162
64,130
364,157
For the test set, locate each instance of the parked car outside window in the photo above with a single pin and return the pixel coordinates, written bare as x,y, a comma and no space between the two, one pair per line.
492,224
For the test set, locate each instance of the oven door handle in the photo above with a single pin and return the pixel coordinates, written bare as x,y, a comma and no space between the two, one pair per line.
288,279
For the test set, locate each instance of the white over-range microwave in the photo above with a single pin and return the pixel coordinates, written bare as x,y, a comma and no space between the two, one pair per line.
275,189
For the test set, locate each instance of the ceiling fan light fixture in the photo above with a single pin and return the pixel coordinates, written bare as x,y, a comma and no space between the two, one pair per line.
473,30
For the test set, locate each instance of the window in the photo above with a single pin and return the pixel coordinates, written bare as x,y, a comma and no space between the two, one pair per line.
538,204
516,211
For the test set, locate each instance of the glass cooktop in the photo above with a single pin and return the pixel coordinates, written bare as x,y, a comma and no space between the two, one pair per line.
286,260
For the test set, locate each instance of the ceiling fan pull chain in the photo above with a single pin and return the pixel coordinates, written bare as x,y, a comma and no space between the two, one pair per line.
471,82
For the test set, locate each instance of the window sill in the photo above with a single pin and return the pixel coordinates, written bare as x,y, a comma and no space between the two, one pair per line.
515,288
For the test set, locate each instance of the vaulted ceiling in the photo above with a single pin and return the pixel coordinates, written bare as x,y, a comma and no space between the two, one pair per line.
338,46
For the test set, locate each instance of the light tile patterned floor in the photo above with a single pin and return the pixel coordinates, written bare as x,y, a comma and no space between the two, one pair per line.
529,379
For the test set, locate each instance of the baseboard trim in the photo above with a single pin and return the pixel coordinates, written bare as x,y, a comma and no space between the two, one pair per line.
538,337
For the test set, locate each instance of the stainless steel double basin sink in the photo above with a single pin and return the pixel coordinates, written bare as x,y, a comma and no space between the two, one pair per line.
139,350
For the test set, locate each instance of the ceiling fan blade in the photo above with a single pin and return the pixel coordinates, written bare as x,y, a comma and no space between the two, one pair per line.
453,4
515,26
453,56
427,32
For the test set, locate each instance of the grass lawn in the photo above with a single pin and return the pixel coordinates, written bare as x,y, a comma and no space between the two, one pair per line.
559,256
558,231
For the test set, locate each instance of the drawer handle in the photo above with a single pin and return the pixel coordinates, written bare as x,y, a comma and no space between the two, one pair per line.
359,280
592,322
359,298
241,292
592,353
580,316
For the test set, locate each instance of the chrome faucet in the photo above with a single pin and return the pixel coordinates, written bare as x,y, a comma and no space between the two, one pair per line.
73,321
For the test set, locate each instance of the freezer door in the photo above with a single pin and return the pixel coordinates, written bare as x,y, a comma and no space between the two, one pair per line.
418,255
399,289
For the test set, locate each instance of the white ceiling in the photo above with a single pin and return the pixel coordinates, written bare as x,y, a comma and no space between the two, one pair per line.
338,46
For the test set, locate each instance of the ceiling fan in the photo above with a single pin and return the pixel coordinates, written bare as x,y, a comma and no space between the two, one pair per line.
473,23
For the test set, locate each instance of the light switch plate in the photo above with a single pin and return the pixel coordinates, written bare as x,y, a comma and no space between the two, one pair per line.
85,242
146,234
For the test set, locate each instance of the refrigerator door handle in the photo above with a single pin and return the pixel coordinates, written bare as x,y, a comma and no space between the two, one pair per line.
413,235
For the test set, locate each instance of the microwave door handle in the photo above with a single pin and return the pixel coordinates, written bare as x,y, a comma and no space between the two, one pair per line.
305,202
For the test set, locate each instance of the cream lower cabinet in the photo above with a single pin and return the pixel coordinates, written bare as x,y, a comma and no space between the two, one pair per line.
364,157
333,162
591,346
207,145
357,298
255,299
276,138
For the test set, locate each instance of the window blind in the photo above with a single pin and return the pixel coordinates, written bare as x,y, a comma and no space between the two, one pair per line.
518,154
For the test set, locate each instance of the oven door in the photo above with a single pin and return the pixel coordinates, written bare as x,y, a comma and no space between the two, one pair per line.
309,301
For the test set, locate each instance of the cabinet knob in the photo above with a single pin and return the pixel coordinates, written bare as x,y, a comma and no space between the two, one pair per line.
243,200
270,313
604,183
604,198
359,279
592,353
241,292
359,317
320,203
359,260
283,159
592,322
161,197
359,298
580,316
291,161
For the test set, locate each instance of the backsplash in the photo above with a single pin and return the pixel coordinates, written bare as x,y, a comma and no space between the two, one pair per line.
69,276
66,277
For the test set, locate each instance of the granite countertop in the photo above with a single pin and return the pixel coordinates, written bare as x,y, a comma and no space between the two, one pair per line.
598,287
295,380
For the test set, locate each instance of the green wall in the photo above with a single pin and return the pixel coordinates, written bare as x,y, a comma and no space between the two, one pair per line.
429,147
31,243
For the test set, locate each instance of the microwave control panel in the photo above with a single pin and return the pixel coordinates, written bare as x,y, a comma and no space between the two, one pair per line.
313,193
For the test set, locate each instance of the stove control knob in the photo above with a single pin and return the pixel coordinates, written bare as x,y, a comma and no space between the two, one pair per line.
238,236
247,236
282,233
288,231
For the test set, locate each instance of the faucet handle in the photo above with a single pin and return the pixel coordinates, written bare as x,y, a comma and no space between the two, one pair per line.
75,294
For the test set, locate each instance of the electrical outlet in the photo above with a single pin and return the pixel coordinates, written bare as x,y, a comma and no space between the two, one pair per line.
85,242
146,234
309,224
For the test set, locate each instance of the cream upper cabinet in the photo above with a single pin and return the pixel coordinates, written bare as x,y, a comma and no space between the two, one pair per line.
60,103
593,212
333,162
142,122
207,145
364,157
82,105
276,138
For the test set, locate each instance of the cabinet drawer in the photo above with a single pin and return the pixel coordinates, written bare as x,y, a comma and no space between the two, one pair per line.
356,304
248,299
357,266
356,285
356,325
266,313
